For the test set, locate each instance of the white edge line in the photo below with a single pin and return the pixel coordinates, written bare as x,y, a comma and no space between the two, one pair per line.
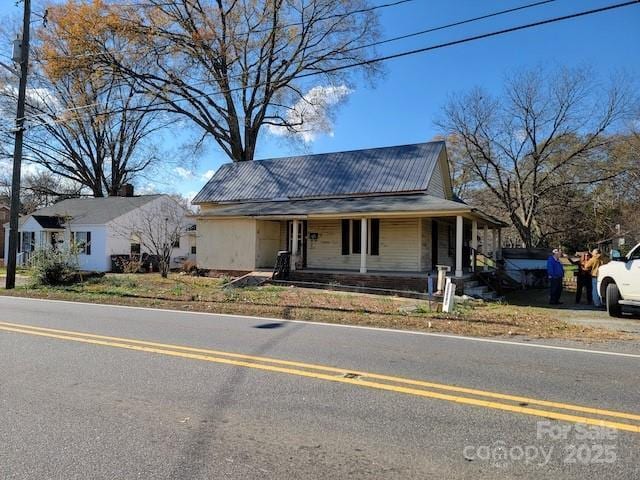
325,324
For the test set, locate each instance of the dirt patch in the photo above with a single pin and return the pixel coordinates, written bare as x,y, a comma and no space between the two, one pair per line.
186,293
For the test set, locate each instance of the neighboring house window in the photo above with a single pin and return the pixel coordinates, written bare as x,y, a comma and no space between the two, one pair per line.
345,237
135,249
193,250
176,242
82,241
28,242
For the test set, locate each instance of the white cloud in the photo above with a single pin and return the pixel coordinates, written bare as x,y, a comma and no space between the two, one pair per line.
207,175
311,115
183,172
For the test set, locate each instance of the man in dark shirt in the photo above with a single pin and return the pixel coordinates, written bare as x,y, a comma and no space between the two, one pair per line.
555,271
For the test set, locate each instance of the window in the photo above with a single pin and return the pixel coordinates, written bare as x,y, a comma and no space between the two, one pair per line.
352,237
193,250
176,241
356,230
374,236
82,241
135,249
27,242
345,237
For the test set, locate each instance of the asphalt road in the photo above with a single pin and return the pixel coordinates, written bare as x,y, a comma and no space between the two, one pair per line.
98,392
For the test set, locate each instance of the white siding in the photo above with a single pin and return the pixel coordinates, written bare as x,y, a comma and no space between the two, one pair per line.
226,244
268,242
98,260
399,247
436,184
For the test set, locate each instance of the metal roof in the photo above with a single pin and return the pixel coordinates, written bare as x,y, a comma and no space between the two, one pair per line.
92,211
406,168
346,206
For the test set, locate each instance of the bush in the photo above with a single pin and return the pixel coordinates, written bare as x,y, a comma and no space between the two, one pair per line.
52,267
189,266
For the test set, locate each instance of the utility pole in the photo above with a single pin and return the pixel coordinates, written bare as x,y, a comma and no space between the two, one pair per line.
17,149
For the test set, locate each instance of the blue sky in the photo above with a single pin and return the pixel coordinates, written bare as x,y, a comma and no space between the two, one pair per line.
404,103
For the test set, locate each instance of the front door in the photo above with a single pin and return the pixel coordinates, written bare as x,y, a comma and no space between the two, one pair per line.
434,244
302,240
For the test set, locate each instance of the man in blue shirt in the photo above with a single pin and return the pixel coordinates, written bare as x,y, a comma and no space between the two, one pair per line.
555,272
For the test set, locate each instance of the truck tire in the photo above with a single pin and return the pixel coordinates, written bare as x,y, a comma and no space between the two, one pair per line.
613,298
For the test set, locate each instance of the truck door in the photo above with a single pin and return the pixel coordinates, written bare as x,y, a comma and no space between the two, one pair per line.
630,288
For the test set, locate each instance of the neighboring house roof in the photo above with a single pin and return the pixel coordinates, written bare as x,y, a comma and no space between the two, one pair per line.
89,211
49,221
388,170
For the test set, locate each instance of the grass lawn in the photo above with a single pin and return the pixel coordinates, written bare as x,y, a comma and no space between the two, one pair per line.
187,293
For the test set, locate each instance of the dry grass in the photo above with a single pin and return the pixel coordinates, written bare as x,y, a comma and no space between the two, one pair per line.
207,295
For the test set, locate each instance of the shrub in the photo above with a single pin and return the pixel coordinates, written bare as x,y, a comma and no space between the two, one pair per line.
189,266
53,267
131,265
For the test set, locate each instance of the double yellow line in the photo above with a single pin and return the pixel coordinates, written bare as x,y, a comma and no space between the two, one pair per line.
461,395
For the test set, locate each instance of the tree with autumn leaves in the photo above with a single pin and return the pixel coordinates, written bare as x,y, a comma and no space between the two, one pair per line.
230,67
85,124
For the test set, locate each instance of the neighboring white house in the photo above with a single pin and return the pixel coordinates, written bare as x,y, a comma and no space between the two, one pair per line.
101,227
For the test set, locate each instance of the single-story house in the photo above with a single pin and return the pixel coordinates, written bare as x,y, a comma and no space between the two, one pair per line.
382,211
4,218
102,227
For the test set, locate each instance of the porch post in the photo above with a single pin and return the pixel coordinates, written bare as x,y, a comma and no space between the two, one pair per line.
499,246
363,245
459,235
474,243
485,246
294,244
494,244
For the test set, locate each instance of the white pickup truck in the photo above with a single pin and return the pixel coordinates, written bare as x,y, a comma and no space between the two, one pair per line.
619,282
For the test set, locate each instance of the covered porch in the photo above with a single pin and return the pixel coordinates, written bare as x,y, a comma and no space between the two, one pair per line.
390,246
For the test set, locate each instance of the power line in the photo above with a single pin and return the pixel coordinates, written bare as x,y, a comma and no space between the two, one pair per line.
276,27
388,40
403,54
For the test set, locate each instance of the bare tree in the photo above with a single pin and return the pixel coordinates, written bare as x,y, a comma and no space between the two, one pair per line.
158,228
230,66
84,124
546,133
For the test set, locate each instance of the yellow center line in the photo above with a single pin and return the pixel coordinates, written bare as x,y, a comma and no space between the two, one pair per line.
215,357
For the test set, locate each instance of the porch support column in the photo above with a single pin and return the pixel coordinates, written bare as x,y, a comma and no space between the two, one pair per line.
363,245
294,244
498,247
459,235
485,246
494,244
474,243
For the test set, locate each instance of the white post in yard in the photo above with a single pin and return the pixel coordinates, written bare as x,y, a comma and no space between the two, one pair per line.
459,234
485,246
474,243
294,244
363,245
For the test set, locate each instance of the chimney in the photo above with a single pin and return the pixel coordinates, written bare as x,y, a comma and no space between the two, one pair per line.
126,190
